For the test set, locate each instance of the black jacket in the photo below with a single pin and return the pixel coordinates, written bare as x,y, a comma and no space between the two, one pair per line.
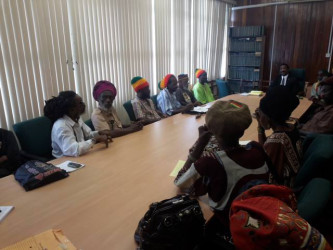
292,83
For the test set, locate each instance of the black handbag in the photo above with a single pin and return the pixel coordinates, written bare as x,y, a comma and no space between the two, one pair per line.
175,223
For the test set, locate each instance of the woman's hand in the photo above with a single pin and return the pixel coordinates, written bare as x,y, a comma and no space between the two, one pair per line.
204,135
256,115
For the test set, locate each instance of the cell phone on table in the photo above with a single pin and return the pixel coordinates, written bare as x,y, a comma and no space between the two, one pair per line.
74,165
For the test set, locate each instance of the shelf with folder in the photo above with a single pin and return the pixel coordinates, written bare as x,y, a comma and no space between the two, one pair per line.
241,85
246,53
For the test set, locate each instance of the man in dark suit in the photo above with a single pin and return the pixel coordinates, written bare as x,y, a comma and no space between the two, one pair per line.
286,79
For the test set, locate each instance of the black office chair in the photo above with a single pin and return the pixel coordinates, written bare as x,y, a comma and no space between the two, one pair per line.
34,136
299,74
129,109
90,124
154,99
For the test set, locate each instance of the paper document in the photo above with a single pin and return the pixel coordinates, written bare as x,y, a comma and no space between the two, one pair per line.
256,92
178,167
4,211
70,166
200,109
51,239
245,94
243,143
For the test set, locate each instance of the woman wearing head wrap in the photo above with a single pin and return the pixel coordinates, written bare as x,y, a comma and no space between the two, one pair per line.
70,135
183,94
227,172
321,120
166,99
284,145
143,107
201,89
105,117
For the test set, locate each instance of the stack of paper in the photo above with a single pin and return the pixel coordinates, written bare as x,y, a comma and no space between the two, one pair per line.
256,92
200,109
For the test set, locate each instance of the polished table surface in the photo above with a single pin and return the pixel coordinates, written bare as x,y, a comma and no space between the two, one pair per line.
100,205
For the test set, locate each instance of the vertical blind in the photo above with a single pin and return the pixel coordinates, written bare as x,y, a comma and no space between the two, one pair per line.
35,46
48,46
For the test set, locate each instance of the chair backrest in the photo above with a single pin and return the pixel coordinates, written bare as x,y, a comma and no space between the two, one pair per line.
300,75
90,124
317,160
35,136
154,99
129,109
222,87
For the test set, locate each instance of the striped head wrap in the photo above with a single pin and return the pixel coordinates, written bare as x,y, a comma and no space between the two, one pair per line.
139,83
164,83
199,72
159,85
102,86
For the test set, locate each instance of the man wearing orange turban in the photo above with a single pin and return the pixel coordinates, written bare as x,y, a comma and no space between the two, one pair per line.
166,99
143,107
201,89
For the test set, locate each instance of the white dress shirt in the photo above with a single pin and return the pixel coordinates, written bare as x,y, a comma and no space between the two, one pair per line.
71,138
284,80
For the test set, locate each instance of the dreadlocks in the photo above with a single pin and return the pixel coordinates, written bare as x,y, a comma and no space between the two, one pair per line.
57,107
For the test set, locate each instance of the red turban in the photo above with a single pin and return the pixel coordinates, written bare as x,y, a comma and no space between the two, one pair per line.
102,86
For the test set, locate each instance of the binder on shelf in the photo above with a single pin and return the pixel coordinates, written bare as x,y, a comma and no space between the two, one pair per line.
245,58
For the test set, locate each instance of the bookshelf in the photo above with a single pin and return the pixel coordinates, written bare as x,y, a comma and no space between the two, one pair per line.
246,53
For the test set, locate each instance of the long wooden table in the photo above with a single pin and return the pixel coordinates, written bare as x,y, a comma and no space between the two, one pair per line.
100,205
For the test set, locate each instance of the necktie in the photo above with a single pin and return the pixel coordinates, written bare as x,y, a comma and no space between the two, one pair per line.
283,81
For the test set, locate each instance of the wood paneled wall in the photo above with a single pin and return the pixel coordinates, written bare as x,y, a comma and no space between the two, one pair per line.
301,34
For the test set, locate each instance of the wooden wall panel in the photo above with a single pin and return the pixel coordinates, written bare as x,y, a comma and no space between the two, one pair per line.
301,35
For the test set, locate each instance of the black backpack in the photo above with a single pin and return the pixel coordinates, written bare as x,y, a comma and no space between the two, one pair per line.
34,174
175,223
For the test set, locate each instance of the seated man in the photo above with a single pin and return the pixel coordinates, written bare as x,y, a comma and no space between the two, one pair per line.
317,102
215,174
183,94
10,158
322,120
143,107
70,135
166,99
315,91
201,89
105,118
287,80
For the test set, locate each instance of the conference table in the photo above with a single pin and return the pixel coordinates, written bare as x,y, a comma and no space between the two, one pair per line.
100,205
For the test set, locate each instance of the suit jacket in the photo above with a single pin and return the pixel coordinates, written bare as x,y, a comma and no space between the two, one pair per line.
292,83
